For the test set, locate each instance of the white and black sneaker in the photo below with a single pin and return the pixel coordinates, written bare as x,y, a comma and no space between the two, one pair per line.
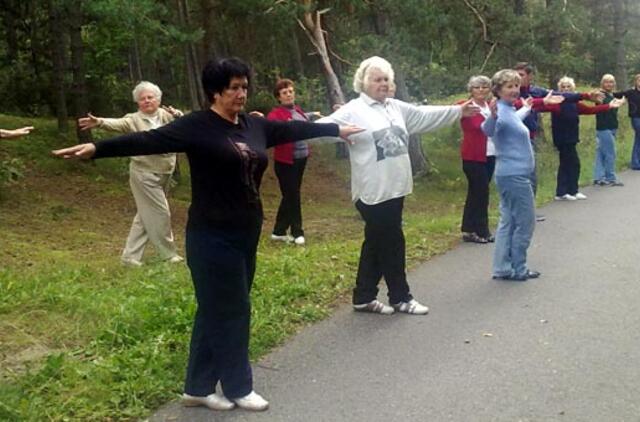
411,307
375,307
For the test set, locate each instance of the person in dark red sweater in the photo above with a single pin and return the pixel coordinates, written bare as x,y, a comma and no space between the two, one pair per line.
290,160
227,156
478,163
565,128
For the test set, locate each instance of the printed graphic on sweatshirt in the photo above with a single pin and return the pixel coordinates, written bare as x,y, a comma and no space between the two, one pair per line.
391,141
249,164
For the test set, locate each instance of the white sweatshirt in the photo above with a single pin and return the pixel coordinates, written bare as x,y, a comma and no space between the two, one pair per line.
380,166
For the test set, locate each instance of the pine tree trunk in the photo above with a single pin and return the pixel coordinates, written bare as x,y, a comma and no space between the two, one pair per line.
619,32
196,95
79,85
419,162
57,44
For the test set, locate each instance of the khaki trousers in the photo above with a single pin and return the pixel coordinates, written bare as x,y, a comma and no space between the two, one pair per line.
153,219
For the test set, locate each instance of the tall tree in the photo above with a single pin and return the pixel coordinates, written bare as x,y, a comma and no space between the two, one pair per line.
57,45
79,85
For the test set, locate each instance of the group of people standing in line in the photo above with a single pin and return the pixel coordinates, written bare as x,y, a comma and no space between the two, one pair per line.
226,149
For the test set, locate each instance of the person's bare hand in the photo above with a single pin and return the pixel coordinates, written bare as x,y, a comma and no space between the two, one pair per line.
551,99
16,133
173,111
528,102
82,151
597,96
348,130
469,109
616,102
256,113
86,123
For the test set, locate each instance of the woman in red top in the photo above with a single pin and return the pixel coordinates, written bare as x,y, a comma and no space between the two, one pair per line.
478,163
289,163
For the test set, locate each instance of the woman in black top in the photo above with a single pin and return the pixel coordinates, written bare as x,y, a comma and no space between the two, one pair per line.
226,149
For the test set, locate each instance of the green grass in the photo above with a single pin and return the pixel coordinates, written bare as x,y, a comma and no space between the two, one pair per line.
82,338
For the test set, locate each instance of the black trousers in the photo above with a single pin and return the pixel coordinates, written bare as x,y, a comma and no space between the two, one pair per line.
568,170
475,218
222,264
290,211
383,253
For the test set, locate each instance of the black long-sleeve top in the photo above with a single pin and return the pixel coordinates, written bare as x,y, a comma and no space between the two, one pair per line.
227,160
633,99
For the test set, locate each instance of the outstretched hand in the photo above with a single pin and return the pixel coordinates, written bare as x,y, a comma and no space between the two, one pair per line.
469,109
16,133
86,123
493,107
528,102
596,96
348,130
551,99
82,151
173,111
616,102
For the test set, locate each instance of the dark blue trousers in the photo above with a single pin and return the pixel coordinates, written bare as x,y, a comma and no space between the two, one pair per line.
222,264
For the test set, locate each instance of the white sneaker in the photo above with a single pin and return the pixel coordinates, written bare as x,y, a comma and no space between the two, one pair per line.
299,240
580,195
565,197
375,306
212,401
175,259
284,238
411,307
252,401
130,262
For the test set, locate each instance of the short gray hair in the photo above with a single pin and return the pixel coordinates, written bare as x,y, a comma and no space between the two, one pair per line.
375,62
478,81
503,77
146,86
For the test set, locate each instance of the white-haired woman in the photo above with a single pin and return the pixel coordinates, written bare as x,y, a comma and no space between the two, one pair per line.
381,178
149,176
478,162
565,128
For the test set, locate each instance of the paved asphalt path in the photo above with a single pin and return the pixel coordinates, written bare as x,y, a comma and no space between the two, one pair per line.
564,347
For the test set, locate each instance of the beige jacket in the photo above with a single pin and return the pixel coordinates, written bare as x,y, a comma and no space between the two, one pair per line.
140,122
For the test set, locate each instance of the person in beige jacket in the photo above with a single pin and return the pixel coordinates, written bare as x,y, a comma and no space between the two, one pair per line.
149,176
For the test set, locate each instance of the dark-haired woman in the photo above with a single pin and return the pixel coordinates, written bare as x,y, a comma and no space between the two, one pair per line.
290,160
226,149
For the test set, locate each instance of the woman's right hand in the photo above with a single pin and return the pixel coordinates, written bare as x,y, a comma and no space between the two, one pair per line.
616,102
348,130
90,122
82,151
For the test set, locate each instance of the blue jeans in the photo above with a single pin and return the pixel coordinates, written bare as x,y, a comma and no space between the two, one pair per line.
635,154
604,168
515,229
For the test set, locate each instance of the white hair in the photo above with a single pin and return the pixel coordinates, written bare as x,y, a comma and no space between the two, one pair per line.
360,79
146,86
567,80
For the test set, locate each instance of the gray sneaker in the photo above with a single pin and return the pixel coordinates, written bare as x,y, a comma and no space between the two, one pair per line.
375,306
411,307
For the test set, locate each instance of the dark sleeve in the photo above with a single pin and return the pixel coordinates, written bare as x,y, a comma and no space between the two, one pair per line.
277,132
620,94
570,97
172,137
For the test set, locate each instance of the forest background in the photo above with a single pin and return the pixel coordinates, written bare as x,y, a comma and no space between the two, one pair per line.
82,338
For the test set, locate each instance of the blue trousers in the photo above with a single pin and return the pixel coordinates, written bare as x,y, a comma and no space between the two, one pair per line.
635,154
604,168
222,264
516,225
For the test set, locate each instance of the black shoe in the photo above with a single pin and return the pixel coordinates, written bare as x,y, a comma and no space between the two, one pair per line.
523,277
533,274
491,238
473,238
540,217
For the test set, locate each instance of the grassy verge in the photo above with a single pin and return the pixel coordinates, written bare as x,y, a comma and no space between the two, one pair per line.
82,338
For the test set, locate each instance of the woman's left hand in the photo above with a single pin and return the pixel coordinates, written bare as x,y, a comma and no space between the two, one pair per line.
346,131
173,111
83,151
469,109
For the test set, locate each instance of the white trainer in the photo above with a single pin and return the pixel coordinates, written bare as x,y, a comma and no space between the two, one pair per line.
411,307
252,401
212,401
284,238
566,197
130,262
176,259
375,307
299,240
580,195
